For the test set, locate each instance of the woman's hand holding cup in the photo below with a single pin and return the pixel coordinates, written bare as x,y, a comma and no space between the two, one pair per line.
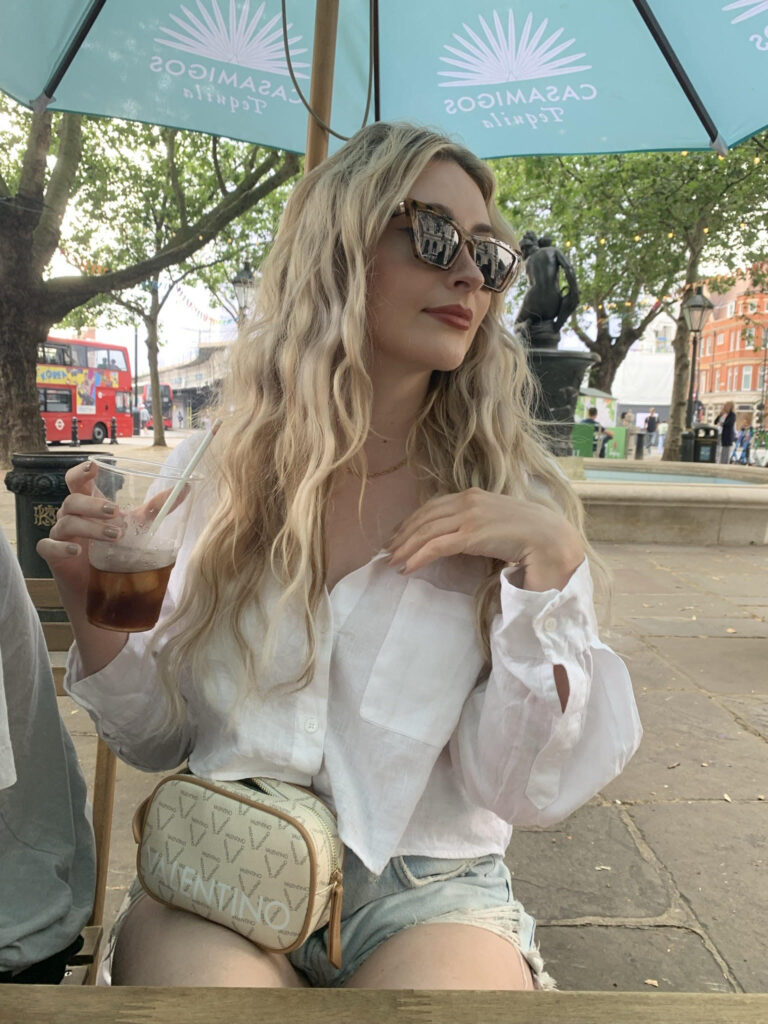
85,514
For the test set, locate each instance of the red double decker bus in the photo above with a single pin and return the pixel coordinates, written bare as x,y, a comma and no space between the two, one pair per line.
166,396
85,380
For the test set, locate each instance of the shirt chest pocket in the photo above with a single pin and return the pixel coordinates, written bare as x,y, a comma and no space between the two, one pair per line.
426,667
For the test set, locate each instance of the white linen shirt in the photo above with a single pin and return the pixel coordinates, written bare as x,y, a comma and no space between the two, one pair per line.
419,750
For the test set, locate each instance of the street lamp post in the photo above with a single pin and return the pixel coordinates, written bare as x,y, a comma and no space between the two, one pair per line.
136,418
695,311
243,284
761,405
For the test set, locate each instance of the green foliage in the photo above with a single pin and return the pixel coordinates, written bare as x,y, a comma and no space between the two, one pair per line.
637,227
126,204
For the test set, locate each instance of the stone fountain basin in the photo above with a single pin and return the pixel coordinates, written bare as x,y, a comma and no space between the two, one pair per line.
733,511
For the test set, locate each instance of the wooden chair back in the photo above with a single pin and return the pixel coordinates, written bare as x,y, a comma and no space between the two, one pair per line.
58,638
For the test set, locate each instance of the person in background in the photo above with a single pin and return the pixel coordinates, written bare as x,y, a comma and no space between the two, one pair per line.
602,436
726,420
663,427
47,855
651,425
180,418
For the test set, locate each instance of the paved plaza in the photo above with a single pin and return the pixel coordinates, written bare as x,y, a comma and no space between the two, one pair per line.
660,881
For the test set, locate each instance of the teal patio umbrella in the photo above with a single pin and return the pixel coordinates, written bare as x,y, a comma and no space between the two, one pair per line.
506,78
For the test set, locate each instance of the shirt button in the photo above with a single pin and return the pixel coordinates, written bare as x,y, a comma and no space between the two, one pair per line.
550,624
310,725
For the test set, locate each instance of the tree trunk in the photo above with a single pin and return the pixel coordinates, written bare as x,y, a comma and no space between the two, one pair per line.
681,346
612,352
158,427
21,426
679,401
24,324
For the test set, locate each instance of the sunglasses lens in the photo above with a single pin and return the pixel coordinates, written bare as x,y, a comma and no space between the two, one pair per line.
437,242
496,262
435,237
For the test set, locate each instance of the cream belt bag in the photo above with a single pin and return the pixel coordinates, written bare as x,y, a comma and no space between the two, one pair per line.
261,857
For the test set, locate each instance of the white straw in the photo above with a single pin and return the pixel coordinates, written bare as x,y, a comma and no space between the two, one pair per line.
183,479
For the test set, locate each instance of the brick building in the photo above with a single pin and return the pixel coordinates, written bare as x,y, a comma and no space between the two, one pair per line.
733,352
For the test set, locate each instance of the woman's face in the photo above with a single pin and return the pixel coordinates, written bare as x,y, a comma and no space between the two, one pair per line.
410,320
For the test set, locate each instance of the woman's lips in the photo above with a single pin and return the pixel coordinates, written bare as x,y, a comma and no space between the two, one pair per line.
454,316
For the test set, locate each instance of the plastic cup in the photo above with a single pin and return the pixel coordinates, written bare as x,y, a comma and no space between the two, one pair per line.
129,575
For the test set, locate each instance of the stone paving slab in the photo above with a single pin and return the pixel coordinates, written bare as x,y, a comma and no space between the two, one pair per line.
587,862
681,604
698,626
731,666
623,958
717,856
699,558
690,731
643,580
753,711
728,582
647,670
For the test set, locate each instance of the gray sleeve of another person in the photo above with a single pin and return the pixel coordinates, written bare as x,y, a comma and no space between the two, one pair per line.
46,840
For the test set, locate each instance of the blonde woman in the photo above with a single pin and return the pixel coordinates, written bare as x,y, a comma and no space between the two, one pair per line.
726,420
386,595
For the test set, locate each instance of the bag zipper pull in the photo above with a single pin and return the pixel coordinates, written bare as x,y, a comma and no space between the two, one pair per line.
334,920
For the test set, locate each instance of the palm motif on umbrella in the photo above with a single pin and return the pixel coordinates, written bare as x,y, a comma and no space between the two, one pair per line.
755,8
501,57
251,42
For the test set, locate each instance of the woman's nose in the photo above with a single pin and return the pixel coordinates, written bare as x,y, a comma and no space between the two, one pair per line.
465,270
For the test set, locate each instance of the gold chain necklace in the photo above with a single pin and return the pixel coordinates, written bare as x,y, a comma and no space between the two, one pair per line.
381,472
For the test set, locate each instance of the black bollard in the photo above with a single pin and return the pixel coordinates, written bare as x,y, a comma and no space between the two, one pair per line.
75,438
38,482
113,431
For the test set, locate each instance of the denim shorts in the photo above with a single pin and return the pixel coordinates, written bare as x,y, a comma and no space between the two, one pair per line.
410,890
419,890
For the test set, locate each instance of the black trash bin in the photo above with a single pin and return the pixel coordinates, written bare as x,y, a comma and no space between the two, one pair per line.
37,480
705,442
686,446
639,444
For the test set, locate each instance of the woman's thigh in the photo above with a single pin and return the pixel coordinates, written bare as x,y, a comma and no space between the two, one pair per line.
445,956
157,945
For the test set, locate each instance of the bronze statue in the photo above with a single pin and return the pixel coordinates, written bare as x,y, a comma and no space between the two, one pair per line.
546,305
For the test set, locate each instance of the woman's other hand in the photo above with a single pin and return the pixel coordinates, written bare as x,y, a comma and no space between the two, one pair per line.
542,544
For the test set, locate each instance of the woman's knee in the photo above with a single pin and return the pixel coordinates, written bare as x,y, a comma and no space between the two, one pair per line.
157,945
445,956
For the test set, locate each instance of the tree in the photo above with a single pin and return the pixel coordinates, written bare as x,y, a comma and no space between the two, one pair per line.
138,239
616,263
638,228
81,178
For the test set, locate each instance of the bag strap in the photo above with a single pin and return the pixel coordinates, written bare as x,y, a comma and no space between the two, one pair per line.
140,817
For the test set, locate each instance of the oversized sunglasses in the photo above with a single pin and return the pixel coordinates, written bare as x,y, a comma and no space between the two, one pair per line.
438,240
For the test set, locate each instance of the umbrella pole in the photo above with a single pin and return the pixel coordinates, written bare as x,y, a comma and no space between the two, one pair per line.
321,87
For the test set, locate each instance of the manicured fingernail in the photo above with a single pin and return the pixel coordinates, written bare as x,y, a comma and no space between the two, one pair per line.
111,532
108,509
73,549
87,467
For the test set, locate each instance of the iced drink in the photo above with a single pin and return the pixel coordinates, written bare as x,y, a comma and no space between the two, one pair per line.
129,575
128,601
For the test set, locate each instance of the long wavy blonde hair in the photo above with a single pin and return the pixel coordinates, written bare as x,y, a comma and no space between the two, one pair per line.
297,403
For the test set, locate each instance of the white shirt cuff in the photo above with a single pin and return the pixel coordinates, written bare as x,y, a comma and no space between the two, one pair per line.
550,625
